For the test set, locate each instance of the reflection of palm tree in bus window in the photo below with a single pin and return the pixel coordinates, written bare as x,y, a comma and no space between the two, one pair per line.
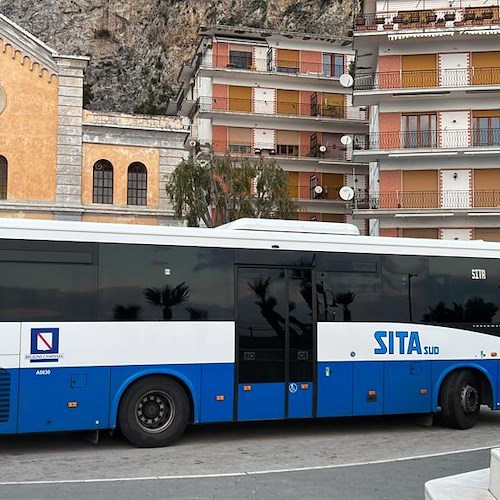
167,297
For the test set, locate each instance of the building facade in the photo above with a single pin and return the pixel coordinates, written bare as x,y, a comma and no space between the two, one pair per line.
251,92
430,71
59,161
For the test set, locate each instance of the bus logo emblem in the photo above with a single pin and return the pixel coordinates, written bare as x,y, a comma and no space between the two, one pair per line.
44,345
292,387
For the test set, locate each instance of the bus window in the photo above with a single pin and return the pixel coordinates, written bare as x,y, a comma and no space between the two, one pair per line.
48,281
404,288
464,292
348,296
148,282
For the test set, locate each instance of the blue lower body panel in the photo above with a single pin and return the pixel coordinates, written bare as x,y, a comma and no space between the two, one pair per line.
63,399
217,393
407,387
261,401
9,383
300,400
334,389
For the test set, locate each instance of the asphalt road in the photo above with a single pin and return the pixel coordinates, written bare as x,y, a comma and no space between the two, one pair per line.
381,458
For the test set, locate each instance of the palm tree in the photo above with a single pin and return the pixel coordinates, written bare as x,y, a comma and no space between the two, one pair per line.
167,297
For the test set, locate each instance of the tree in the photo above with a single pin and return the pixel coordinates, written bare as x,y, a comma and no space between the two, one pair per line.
222,189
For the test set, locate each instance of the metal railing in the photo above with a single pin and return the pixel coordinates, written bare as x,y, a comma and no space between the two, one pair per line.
427,78
424,139
251,63
426,199
430,18
284,108
307,192
248,148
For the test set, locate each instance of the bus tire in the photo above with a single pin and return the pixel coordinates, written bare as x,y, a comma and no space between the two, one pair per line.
153,412
461,399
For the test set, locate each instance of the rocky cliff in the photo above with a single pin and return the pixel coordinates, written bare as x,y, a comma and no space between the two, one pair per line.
138,46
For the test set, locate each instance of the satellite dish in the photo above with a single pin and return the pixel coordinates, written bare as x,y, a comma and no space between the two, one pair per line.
346,80
322,148
346,140
192,143
318,189
346,193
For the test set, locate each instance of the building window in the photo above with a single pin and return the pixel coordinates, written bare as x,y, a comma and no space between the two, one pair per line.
239,59
3,178
137,184
287,150
313,183
103,182
419,131
333,65
486,131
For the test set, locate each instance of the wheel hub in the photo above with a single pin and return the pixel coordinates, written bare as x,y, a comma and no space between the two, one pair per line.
155,411
469,399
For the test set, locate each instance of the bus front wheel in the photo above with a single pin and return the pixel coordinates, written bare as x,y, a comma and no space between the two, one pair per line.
153,412
461,399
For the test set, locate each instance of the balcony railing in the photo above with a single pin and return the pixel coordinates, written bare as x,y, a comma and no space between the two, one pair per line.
427,78
430,18
248,148
308,192
284,108
433,139
426,199
262,64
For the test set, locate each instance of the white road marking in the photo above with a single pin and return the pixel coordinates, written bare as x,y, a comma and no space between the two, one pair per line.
250,473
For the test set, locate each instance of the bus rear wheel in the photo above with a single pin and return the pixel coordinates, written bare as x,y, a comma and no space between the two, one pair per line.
461,399
153,412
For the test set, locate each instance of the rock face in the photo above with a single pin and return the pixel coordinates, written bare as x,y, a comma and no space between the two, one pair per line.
137,47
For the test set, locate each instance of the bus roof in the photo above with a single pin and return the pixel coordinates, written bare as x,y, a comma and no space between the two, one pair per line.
231,237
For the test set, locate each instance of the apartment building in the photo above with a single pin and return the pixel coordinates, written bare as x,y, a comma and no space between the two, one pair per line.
252,92
430,72
59,161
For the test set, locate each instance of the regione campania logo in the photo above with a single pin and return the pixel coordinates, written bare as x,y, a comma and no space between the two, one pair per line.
44,346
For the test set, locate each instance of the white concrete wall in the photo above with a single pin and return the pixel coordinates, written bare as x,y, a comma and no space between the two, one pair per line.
454,128
264,100
263,138
453,69
455,188
456,234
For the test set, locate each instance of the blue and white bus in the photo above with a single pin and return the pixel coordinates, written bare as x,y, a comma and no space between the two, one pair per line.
149,329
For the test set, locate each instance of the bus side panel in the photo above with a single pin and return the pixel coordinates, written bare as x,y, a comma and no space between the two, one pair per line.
407,387
368,387
261,401
9,383
123,376
217,392
334,389
441,368
9,376
63,399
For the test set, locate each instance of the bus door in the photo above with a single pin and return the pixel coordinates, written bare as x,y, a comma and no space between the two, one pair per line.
275,330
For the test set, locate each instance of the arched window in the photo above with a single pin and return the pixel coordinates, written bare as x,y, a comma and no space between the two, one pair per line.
137,184
103,182
3,178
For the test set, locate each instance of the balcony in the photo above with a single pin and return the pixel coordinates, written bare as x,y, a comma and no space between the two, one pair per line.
432,139
311,193
424,19
445,78
280,108
397,200
249,148
267,65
